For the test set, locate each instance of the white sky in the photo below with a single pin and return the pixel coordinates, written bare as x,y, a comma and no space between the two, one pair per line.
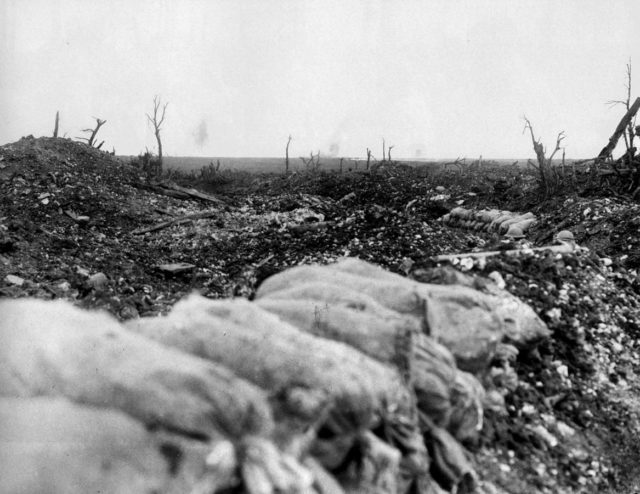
439,78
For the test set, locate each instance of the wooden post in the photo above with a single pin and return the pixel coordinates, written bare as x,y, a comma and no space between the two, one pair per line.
55,129
286,163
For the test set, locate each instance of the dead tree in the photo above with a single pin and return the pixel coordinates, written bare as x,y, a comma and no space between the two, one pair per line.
547,176
313,162
368,157
286,160
55,128
630,121
91,139
625,123
384,152
341,161
389,152
157,120
459,162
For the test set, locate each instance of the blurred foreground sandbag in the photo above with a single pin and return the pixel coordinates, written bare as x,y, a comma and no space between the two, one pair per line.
466,321
56,349
50,445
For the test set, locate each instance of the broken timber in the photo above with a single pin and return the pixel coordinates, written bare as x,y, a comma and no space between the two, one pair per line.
564,248
173,190
176,221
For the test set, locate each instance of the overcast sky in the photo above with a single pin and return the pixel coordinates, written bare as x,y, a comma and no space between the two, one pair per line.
436,79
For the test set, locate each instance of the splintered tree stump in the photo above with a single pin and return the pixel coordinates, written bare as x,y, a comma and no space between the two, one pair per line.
613,140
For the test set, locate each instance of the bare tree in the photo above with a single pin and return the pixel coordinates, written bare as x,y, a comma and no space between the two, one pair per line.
368,157
91,139
389,152
55,128
384,151
544,166
286,161
627,128
630,124
157,120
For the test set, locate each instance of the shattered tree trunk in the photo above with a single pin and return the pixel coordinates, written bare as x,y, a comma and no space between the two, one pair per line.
613,140
286,161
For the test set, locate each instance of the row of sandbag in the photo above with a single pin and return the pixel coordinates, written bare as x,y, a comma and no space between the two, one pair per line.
489,220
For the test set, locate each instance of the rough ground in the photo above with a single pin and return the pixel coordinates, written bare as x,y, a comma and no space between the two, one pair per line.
68,221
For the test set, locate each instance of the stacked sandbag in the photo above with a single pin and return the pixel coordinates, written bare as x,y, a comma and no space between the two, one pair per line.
311,381
54,349
489,220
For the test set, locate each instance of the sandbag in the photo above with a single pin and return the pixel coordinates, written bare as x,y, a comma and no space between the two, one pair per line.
50,445
55,349
393,294
371,328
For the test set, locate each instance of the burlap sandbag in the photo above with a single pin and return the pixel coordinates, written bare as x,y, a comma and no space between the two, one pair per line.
55,349
50,445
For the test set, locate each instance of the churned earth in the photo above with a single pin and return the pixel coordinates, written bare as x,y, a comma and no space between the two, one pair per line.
79,224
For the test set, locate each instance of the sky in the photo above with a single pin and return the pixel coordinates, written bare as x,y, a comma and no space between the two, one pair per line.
434,78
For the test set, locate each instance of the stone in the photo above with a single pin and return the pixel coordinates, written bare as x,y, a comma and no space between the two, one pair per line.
14,280
176,268
98,280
